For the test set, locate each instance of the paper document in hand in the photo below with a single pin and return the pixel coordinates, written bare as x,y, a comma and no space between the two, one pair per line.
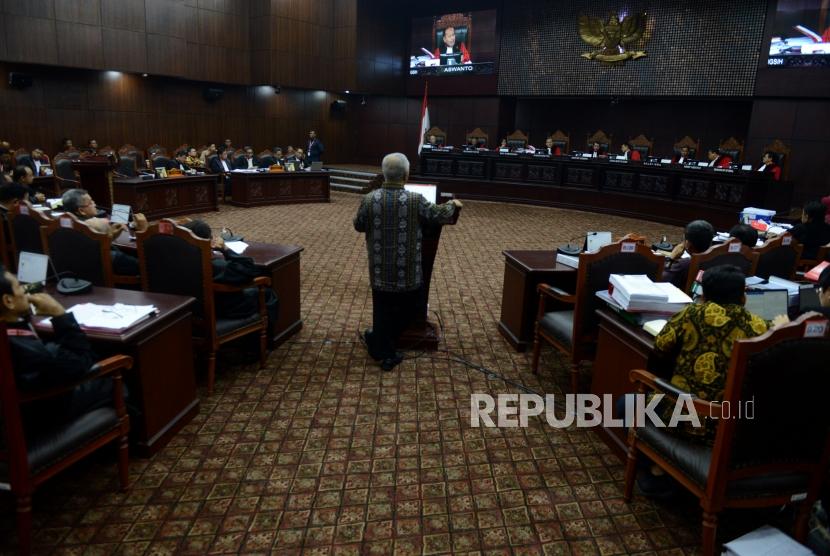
237,247
110,317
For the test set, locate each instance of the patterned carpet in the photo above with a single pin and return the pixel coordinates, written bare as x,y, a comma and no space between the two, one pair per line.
322,453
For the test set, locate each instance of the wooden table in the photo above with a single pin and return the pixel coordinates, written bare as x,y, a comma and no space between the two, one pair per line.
281,263
252,189
161,198
621,347
523,271
162,383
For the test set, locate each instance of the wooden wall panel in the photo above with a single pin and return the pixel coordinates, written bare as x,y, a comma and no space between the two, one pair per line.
126,108
32,8
31,39
87,12
124,14
126,50
80,45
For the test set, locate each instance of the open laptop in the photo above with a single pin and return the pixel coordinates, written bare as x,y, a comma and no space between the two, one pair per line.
32,268
767,304
430,192
808,297
594,241
120,214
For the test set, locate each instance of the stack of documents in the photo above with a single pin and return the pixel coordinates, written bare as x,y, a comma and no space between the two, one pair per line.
568,260
634,317
776,283
110,317
766,541
637,293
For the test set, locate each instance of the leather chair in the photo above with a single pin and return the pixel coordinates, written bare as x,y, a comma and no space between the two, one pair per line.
80,251
266,159
478,137
562,140
462,23
778,457
175,261
440,135
642,145
24,227
28,459
571,326
65,176
517,140
732,148
732,252
601,138
159,161
127,165
156,150
691,144
779,256
781,156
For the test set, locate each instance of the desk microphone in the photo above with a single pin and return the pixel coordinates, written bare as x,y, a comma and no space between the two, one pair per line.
572,250
663,245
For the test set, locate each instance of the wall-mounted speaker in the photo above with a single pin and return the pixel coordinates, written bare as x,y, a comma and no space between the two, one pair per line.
338,106
212,94
19,80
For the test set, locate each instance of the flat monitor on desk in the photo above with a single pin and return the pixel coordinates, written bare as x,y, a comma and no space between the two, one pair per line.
767,304
430,192
32,267
594,241
808,297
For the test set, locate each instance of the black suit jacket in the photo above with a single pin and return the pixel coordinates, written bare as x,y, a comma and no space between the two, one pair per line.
216,165
242,163
315,151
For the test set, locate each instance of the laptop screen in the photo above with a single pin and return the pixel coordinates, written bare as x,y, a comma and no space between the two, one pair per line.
767,304
32,267
430,192
594,241
120,214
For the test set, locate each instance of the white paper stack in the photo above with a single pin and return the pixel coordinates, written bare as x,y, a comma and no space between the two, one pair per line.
638,293
110,317
568,260
766,541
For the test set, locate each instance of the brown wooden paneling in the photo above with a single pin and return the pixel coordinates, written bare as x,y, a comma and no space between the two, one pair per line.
87,12
166,55
31,39
125,50
32,8
80,45
124,14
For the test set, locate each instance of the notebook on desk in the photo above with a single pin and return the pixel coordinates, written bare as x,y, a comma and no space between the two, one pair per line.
767,304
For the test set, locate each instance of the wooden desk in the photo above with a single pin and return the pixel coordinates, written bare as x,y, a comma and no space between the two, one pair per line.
621,347
523,271
282,264
162,382
161,198
252,189
657,193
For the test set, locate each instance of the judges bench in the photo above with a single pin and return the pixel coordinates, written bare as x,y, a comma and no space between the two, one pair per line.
662,193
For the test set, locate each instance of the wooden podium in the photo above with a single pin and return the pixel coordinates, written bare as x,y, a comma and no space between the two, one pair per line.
95,173
422,334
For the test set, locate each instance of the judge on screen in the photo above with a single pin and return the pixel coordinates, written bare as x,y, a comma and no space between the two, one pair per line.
451,54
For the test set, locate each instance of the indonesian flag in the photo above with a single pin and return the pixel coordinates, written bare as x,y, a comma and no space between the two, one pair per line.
424,120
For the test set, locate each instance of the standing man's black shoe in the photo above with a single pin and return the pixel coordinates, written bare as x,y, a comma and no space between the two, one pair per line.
366,337
392,362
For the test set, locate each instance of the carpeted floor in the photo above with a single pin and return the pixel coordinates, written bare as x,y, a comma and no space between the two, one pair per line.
322,453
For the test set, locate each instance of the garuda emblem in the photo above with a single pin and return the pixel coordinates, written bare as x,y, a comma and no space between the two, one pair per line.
613,37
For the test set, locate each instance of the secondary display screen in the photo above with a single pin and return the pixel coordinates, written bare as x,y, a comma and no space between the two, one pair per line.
454,44
800,34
